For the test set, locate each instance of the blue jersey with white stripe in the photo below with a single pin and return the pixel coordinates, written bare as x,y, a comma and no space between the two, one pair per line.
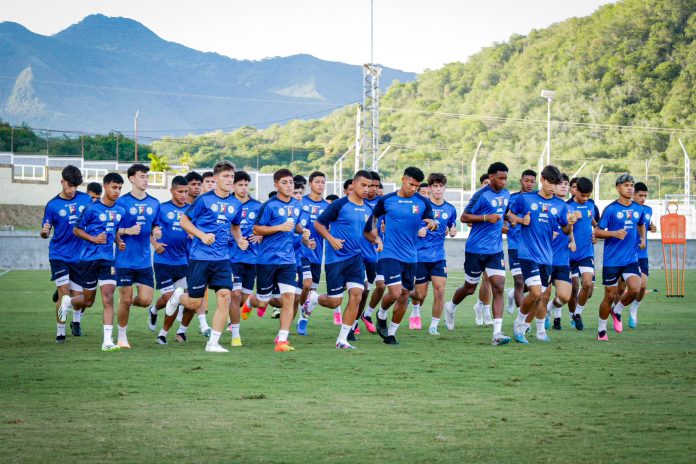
62,214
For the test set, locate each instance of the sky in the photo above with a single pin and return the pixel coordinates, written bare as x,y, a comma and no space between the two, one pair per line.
412,35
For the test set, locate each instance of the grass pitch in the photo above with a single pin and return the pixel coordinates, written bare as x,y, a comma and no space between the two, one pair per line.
452,398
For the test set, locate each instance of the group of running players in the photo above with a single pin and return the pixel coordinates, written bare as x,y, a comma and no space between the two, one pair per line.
212,236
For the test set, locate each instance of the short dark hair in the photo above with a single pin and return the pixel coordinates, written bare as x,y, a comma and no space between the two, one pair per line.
332,197
193,175
222,166
574,180
136,168
241,175
272,193
364,174
584,185
72,175
280,173
95,187
640,187
380,185
497,167
623,178
528,172
112,178
375,175
414,173
564,176
552,174
423,185
299,179
483,177
207,174
437,178
347,183
316,174
179,181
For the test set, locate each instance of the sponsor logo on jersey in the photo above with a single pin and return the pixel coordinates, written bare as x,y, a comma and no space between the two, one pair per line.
415,209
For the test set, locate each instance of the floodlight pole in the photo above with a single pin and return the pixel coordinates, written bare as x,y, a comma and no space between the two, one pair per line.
548,95
135,124
687,176
473,167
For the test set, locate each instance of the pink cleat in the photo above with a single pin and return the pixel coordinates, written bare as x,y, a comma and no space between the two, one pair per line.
414,322
602,336
357,331
261,310
367,320
618,326
338,320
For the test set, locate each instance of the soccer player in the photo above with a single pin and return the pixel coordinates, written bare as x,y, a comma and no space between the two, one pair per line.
432,262
343,226
60,214
195,182
622,225
370,259
94,190
210,219
640,196
331,198
171,256
98,227
538,214
484,248
482,307
243,261
403,212
277,222
313,205
582,258
424,190
208,182
516,295
380,190
347,187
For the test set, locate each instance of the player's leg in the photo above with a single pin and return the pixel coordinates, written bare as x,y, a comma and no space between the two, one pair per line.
496,280
202,315
561,278
392,270
439,283
473,268
370,278
377,292
644,265
107,288
219,279
632,277
418,295
482,307
515,295
533,280
125,298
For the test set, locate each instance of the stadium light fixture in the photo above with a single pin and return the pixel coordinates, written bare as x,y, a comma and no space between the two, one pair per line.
549,96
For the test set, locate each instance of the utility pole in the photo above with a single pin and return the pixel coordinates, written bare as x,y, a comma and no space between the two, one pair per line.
370,106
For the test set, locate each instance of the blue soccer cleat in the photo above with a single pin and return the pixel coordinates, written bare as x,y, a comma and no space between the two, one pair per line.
520,338
302,327
632,321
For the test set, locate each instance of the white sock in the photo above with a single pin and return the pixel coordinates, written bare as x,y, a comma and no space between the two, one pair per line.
163,333
203,322
235,330
343,334
602,326
368,311
76,316
60,329
108,334
153,309
578,309
415,310
182,329
69,305
393,327
618,308
452,306
521,318
557,313
511,294
497,325
180,314
214,337
355,325
634,308
479,304
382,314
486,309
283,335
540,326
122,336
313,297
434,322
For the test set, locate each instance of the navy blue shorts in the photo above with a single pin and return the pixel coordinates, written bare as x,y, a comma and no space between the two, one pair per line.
216,275
63,272
244,275
582,266
312,270
168,274
424,271
100,272
560,273
370,271
475,264
611,274
644,264
346,274
514,261
379,274
275,277
398,272
535,273
126,277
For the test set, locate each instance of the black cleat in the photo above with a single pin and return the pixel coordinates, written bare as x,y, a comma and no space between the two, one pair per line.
55,296
151,321
181,337
161,340
390,340
382,328
76,329
351,336
60,339
557,323
577,318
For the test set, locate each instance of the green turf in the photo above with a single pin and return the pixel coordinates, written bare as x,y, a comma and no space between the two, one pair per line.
453,398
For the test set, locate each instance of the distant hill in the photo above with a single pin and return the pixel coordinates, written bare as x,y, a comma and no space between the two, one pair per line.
95,74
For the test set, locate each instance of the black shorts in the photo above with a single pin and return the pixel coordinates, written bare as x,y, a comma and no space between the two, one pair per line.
126,277
98,272
398,272
216,275
243,275
425,271
349,273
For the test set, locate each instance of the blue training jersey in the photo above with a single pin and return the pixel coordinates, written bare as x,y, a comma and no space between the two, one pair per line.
345,220
173,236
647,214
309,213
402,219
145,212
513,233
582,229
62,214
98,218
431,248
486,238
277,248
615,217
561,252
250,210
214,215
545,215
369,249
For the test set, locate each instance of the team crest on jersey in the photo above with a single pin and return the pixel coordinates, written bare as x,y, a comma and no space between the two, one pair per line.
252,215
112,215
223,207
170,215
296,211
214,207
71,208
303,222
102,217
281,211
133,210
636,215
620,215
554,211
535,207
544,208
589,213
149,210
62,213
244,214
415,209
315,209
437,213
445,215
647,216
81,208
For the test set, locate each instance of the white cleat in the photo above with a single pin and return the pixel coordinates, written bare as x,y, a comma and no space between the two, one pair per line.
180,314
216,348
450,310
65,305
478,314
173,303
510,300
